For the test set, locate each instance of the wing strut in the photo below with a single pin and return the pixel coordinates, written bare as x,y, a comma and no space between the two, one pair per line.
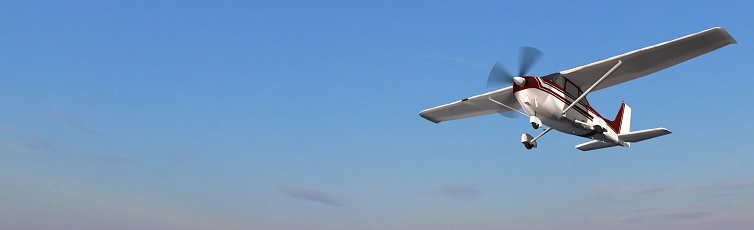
583,95
506,106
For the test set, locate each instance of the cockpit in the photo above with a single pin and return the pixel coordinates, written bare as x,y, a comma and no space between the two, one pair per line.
571,90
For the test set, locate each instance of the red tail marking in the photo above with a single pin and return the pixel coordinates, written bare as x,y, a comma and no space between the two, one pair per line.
615,124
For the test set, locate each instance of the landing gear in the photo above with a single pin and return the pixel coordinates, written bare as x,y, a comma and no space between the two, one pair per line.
535,122
531,142
528,141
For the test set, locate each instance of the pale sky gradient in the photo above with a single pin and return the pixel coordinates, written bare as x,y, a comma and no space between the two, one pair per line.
304,115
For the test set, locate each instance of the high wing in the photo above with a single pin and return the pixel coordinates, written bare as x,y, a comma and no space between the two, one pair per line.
648,60
474,106
636,64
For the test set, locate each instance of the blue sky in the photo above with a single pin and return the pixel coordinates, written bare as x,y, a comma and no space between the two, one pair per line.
304,115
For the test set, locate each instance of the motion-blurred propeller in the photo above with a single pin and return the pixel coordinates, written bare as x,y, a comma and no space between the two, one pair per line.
500,76
527,57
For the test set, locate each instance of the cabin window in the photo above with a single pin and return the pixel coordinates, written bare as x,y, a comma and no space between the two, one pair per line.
560,81
571,89
576,92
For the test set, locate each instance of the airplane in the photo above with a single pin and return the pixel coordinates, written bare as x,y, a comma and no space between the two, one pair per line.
559,102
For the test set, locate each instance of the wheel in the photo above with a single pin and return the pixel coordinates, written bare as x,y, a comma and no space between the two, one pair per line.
535,122
528,145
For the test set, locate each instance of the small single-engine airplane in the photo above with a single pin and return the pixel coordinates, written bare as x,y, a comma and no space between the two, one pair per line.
559,100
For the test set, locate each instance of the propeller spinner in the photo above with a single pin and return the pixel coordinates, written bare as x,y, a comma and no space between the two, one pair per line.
500,76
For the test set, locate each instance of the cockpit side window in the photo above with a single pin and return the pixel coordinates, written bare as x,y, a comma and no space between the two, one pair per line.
574,91
568,86
560,81
571,89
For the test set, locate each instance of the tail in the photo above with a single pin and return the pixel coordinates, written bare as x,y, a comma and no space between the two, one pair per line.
622,122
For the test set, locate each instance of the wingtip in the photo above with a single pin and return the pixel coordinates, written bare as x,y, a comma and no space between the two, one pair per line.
731,40
428,118
666,130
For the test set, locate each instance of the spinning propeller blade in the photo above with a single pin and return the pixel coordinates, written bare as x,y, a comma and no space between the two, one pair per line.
500,76
527,57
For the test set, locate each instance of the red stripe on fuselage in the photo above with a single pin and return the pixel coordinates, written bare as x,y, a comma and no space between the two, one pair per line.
530,84
534,83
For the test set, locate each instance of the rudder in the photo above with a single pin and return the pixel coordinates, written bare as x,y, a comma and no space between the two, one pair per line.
625,125
622,122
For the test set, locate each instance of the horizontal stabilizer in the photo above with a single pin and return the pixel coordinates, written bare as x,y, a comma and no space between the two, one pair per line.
595,144
643,134
627,137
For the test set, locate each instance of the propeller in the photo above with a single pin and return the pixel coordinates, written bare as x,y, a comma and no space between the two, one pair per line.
527,57
500,76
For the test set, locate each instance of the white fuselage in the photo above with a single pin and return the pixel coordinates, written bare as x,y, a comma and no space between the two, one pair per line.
546,100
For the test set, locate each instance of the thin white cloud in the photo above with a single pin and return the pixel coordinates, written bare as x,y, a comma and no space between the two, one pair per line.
643,210
718,186
612,190
15,130
656,189
28,141
113,159
74,123
728,185
26,147
646,215
457,191
691,215
310,194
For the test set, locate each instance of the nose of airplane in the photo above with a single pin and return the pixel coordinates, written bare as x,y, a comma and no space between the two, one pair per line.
519,81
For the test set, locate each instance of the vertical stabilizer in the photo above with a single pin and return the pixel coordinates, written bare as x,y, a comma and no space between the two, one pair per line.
622,122
625,125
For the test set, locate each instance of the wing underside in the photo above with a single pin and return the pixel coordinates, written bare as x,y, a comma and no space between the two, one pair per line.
474,106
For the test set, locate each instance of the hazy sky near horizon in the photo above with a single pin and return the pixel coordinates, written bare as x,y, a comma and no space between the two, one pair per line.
304,115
